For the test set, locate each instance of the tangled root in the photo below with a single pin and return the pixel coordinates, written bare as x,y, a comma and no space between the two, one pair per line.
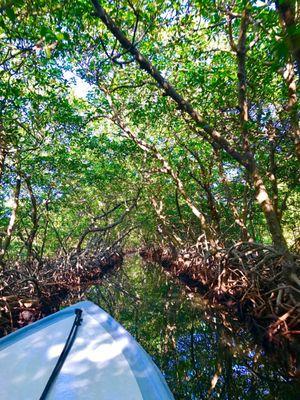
32,290
259,283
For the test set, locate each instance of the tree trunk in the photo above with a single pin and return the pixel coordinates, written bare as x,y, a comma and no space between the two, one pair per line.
262,196
3,152
168,231
290,79
12,221
212,206
34,219
287,16
245,236
241,52
269,211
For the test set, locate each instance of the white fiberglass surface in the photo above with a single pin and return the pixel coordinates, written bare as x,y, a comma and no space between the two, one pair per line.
94,369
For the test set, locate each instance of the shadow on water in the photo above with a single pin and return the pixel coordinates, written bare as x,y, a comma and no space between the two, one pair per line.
200,354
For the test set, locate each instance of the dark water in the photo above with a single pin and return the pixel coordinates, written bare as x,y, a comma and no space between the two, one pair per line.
201,354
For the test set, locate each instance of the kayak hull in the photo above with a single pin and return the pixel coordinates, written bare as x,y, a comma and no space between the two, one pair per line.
105,362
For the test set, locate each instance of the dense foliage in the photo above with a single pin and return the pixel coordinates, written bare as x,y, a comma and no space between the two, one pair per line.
83,128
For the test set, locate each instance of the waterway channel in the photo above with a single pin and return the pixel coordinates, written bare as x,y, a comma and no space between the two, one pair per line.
202,352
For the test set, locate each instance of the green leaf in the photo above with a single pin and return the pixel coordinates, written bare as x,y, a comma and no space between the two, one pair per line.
47,51
11,14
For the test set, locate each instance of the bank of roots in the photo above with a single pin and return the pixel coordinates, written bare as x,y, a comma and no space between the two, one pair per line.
258,283
34,289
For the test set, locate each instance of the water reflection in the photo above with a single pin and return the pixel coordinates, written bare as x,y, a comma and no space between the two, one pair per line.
201,356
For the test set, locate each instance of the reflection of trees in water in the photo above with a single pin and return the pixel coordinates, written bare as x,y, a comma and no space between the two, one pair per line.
199,354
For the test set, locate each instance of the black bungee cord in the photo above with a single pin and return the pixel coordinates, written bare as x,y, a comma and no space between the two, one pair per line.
68,345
